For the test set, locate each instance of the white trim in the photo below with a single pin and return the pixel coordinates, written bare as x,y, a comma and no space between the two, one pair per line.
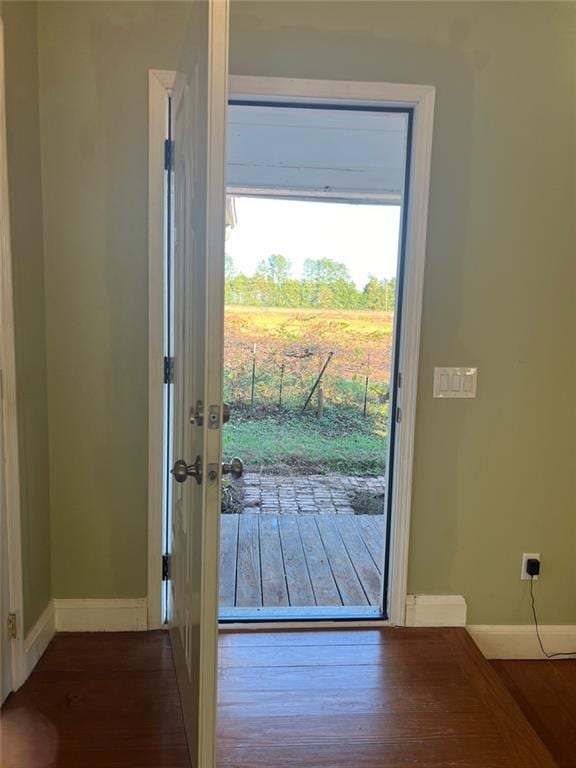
366,198
101,615
421,99
327,91
410,350
9,400
160,84
39,637
435,611
164,77
520,641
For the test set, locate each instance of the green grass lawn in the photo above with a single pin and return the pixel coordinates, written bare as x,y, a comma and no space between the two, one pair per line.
285,440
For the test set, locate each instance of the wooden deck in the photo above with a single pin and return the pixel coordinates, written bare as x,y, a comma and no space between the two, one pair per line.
303,561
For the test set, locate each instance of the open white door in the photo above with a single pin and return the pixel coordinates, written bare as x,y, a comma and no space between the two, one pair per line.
199,104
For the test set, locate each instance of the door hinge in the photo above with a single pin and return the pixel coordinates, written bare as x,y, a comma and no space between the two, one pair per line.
168,155
399,379
11,626
398,415
165,567
168,370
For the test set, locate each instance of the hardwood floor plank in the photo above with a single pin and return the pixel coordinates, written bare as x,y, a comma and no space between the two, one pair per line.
228,558
105,652
405,696
274,589
323,584
415,636
300,590
248,583
364,565
546,693
455,753
151,756
345,576
387,729
332,678
339,655
527,749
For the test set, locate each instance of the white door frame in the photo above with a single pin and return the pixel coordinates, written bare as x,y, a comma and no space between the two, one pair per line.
160,85
8,395
419,98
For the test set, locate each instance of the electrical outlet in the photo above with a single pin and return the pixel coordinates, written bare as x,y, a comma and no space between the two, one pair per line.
524,576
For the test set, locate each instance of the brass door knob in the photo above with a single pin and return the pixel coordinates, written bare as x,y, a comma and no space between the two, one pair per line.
234,468
182,471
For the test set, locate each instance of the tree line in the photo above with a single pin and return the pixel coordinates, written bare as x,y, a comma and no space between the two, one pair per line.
324,284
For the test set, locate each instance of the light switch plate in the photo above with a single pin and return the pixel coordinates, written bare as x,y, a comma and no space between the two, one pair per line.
455,382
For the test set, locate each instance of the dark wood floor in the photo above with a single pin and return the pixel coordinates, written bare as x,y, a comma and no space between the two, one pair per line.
392,698
546,693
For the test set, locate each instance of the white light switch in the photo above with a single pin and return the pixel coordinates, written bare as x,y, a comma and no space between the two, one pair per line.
455,382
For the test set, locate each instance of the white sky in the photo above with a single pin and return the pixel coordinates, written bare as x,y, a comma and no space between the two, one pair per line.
364,237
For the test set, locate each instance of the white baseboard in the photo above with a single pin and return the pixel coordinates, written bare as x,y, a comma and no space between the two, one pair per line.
520,641
435,611
96,615
36,641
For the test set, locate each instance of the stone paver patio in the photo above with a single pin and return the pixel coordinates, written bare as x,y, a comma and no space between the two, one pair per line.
306,494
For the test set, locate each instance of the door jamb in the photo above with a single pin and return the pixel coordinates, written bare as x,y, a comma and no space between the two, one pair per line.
420,98
160,85
9,400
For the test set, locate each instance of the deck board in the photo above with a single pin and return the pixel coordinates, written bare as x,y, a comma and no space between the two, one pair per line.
323,584
360,557
249,569
372,531
274,589
299,585
348,582
228,554
285,561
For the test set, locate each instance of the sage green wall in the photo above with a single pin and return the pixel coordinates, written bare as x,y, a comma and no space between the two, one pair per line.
94,60
493,477
23,137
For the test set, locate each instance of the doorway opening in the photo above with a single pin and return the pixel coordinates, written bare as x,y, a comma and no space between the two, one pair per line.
382,169
313,285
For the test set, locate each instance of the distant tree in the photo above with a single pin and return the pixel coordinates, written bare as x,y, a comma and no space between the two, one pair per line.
390,294
373,293
276,268
229,278
324,283
325,271
379,294
229,266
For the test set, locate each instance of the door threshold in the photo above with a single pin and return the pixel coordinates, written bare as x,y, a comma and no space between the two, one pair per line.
305,615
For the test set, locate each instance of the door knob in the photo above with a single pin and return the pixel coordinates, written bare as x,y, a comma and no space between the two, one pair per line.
183,471
235,468
225,413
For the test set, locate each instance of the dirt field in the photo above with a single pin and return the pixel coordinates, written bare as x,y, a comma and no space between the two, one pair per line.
272,360
360,340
